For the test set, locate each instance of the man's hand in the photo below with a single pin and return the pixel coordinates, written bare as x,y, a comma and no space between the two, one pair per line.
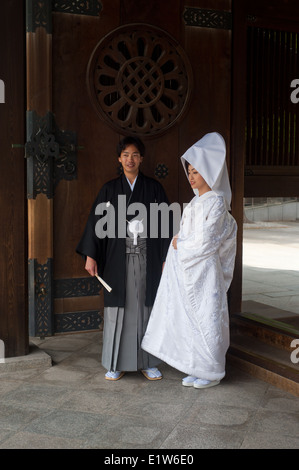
91,266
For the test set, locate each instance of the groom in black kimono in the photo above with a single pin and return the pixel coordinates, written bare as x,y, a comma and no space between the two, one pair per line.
132,269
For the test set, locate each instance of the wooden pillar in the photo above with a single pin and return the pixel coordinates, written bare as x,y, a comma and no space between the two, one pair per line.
40,150
238,144
13,236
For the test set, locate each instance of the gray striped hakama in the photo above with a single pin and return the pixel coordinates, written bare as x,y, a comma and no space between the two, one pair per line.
124,327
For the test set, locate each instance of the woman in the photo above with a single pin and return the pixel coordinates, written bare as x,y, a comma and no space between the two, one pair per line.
132,267
189,324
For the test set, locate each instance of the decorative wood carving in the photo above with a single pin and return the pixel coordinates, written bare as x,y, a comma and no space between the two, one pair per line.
82,7
78,321
161,171
205,18
76,287
40,298
38,15
51,155
139,80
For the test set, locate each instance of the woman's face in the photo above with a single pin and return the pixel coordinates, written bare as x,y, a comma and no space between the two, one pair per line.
197,181
130,159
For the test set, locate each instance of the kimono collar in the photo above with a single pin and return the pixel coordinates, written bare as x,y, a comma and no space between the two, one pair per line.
128,188
135,195
207,156
132,184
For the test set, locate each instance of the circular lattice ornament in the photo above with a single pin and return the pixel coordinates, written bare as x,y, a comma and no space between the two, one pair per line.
139,80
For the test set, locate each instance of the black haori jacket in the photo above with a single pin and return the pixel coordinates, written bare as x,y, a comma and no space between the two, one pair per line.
110,252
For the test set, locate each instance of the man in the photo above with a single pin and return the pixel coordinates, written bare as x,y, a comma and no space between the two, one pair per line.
132,267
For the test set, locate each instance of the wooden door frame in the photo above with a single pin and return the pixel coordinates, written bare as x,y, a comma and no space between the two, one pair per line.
238,119
39,166
14,339
50,153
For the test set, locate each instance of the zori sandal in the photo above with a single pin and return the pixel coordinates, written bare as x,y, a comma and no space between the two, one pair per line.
188,381
152,373
110,375
201,383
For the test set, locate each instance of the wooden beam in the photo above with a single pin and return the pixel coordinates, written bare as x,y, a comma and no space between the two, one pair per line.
238,144
39,166
13,253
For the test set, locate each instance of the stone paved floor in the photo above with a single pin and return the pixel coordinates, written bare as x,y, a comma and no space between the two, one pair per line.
271,265
71,406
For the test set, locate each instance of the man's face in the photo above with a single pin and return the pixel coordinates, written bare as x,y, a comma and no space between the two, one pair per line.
130,159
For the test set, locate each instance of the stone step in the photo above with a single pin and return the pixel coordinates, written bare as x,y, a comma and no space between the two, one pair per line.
267,331
265,353
36,359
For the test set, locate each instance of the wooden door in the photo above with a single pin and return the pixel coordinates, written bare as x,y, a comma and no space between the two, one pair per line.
265,128
160,71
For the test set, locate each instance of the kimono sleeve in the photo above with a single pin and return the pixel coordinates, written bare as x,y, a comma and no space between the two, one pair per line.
89,244
227,252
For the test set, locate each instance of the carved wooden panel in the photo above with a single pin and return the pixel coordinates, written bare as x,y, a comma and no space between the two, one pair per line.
82,7
205,18
139,80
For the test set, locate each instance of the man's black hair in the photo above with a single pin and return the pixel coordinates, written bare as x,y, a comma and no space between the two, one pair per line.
129,140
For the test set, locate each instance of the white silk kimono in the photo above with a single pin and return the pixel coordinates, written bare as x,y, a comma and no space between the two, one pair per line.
189,324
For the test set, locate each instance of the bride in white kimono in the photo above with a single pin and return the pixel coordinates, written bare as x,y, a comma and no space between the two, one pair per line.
189,323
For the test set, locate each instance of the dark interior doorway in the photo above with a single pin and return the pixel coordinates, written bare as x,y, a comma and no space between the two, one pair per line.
268,47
